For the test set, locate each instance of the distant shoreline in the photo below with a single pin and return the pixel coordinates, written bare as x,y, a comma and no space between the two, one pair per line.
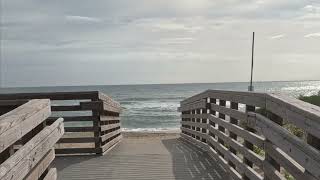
150,134
187,83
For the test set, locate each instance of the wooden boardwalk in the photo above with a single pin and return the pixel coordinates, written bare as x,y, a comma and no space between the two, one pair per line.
143,158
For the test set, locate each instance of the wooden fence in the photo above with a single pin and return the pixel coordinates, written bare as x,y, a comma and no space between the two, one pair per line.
92,122
26,143
255,135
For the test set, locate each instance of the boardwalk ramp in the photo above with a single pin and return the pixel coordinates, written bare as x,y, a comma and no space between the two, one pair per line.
167,157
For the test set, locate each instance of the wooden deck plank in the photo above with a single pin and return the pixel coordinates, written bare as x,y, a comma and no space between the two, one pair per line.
143,158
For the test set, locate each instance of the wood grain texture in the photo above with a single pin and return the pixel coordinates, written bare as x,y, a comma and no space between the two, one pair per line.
51,175
167,158
18,122
26,158
42,166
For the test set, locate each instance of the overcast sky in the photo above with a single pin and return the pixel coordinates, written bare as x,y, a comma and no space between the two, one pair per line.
82,42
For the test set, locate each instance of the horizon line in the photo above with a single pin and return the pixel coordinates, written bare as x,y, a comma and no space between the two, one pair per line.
155,84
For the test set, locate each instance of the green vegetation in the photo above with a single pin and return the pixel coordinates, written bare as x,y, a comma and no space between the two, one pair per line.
258,150
294,129
315,99
288,176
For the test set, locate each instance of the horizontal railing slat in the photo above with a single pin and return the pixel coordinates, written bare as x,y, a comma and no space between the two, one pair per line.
76,151
78,140
111,143
249,136
245,132
33,150
51,175
288,163
75,118
239,147
52,95
80,129
41,166
18,122
110,134
109,126
305,155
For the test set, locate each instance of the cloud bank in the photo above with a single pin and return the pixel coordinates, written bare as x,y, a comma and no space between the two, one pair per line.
80,42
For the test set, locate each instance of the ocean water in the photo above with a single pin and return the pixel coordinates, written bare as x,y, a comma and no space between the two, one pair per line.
154,107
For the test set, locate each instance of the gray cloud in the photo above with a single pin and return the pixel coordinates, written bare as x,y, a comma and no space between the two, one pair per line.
60,42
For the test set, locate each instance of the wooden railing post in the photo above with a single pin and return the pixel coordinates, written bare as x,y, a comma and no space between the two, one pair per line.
97,132
24,126
205,120
235,106
212,112
313,141
248,144
221,116
277,119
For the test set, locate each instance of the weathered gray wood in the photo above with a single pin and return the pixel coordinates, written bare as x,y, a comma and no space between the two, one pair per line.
12,102
195,98
271,173
295,169
18,122
249,98
97,102
195,105
76,151
197,133
109,118
66,108
302,114
109,135
300,151
20,163
228,156
234,174
290,151
196,142
230,112
109,126
249,136
51,175
80,129
99,106
52,95
167,158
75,118
78,140
200,125
238,146
41,166
109,101
111,143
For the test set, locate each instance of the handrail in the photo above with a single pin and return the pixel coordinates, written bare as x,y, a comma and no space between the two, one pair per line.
92,122
26,143
246,132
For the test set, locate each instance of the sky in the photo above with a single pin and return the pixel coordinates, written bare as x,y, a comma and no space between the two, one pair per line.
101,42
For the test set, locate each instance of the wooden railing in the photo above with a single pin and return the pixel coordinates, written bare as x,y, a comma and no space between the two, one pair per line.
26,143
254,135
92,122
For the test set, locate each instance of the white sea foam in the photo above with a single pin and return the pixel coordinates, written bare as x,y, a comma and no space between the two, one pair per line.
150,129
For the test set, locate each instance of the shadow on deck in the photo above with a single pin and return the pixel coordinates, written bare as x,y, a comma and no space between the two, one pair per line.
143,158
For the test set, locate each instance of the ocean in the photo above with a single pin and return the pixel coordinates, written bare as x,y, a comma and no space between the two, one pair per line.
154,107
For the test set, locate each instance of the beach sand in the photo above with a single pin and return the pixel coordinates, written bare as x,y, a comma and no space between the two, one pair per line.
151,134
132,135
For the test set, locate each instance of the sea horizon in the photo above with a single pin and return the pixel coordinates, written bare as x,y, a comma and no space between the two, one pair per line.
141,84
153,107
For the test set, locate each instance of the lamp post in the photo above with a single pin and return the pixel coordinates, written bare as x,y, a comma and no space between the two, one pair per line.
251,88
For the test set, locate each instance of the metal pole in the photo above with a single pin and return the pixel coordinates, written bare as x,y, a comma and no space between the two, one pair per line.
252,55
